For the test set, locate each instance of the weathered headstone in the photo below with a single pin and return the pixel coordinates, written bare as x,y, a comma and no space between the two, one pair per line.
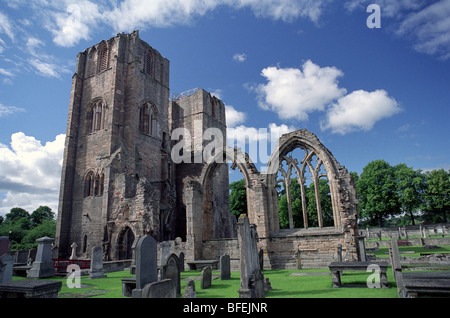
55,252
189,290
339,253
74,251
32,255
225,267
21,257
43,265
206,277
397,269
181,257
96,270
4,245
146,264
165,251
252,279
162,289
171,270
133,257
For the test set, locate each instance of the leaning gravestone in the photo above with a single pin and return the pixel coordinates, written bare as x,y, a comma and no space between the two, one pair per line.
96,270
146,264
206,277
225,267
43,265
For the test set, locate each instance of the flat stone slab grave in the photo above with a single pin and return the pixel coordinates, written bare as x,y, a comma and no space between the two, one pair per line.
194,265
336,269
30,288
310,274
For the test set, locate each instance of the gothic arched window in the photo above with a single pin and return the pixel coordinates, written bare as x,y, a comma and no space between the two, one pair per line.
103,58
147,119
148,63
96,117
89,181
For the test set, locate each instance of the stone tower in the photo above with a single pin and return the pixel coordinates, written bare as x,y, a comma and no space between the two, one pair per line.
117,179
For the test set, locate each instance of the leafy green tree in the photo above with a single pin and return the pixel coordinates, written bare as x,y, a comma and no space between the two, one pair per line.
238,198
377,192
16,213
437,195
410,188
46,228
41,214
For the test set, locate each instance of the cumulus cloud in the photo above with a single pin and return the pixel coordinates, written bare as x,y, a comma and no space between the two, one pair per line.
76,22
233,116
359,111
30,172
295,93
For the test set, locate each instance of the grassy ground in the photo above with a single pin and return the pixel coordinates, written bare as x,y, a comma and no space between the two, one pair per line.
284,285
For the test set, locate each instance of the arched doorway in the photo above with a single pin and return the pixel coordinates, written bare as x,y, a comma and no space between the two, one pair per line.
125,243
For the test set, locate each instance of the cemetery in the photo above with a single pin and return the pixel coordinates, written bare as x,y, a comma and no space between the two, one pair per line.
156,271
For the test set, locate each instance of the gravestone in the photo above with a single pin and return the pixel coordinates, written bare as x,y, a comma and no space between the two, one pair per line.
171,270
21,257
162,289
6,261
181,257
225,266
55,252
6,268
339,253
43,265
74,251
189,290
96,270
146,264
32,255
133,257
4,245
252,279
206,277
165,251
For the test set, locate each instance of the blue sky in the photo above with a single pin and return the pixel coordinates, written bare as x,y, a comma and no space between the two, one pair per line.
380,93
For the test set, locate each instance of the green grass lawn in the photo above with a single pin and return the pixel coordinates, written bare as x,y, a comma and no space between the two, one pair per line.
284,285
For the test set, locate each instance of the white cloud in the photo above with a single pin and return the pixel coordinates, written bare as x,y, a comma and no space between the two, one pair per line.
8,110
425,23
6,26
30,172
240,57
359,111
76,23
293,93
47,69
233,116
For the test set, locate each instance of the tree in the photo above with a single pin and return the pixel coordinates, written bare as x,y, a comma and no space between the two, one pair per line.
238,198
41,214
377,192
437,195
17,213
410,188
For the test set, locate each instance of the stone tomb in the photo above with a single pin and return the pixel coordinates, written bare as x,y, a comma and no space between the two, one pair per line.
43,265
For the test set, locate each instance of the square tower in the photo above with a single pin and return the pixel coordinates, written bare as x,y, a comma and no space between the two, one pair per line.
117,174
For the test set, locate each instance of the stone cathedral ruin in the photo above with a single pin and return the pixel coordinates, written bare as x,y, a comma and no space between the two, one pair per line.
119,181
